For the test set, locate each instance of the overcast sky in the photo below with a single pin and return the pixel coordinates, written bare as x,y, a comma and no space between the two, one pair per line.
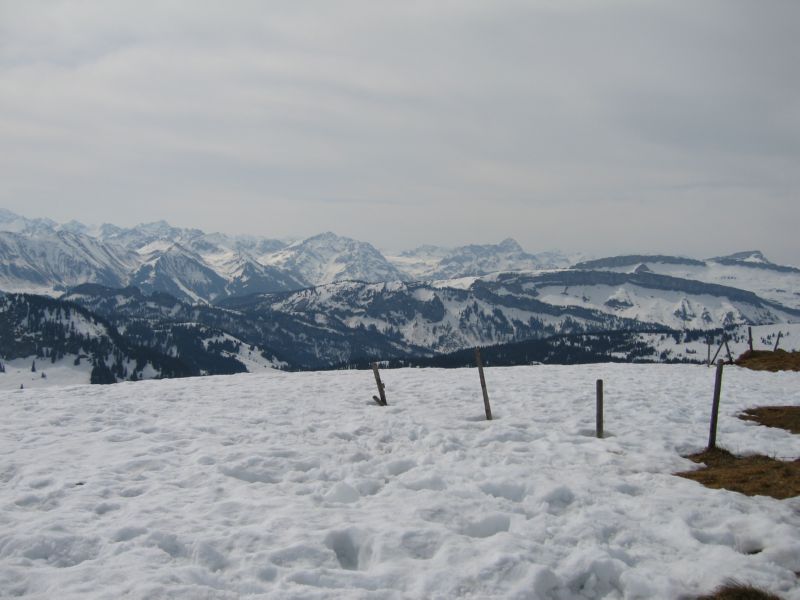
603,127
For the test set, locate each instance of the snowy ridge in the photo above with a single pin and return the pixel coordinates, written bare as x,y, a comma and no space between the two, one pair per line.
259,485
779,284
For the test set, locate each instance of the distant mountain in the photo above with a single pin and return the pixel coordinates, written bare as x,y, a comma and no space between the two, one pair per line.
432,262
188,263
327,257
246,276
56,260
15,223
630,260
179,272
754,259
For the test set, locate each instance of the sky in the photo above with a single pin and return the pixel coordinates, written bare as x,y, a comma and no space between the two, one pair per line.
612,127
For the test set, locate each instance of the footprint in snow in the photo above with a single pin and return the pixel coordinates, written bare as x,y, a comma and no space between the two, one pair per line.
353,551
421,544
105,507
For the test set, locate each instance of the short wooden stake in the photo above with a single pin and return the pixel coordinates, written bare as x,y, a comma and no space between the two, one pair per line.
778,341
750,338
712,435
486,406
599,409
708,358
381,388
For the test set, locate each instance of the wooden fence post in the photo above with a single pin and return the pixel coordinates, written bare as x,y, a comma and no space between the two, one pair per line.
708,344
778,341
712,435
486,406
599,409
381,388
728,349
750,338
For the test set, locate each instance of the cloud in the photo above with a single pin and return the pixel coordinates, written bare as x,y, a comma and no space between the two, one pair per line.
409,122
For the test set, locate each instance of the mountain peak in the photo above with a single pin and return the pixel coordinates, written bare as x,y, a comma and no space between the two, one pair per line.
748,256
510,245
154,226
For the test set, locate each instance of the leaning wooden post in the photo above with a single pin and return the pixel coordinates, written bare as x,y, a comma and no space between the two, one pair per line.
486,406
750,338
778,341
599,411
712,435
381,388
716,354
728,350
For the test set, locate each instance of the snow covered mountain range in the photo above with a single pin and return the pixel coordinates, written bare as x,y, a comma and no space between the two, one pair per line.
218,303
44,257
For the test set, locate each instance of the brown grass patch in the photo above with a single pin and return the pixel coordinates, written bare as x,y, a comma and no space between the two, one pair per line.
739,591
751,475
784,417
764,360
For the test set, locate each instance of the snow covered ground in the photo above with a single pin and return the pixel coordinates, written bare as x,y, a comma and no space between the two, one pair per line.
64,372
296,485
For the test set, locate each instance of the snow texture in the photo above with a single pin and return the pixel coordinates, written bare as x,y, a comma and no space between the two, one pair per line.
296,485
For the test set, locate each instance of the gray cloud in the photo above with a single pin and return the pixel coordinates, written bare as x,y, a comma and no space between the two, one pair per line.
601,127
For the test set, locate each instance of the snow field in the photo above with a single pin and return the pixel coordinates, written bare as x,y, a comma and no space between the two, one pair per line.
63,372
296,485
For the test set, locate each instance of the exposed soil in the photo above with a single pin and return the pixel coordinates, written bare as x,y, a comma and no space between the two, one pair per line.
738,591
784,417
751,475
764,360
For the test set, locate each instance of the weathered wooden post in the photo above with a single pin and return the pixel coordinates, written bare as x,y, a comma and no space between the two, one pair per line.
778,341
712,435
750,338
719,349
381,388
708,344
599,409
728,350
486,406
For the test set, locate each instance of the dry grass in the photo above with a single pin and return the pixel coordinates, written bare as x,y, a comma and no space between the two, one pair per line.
750,475
739,591
764,360
784,417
